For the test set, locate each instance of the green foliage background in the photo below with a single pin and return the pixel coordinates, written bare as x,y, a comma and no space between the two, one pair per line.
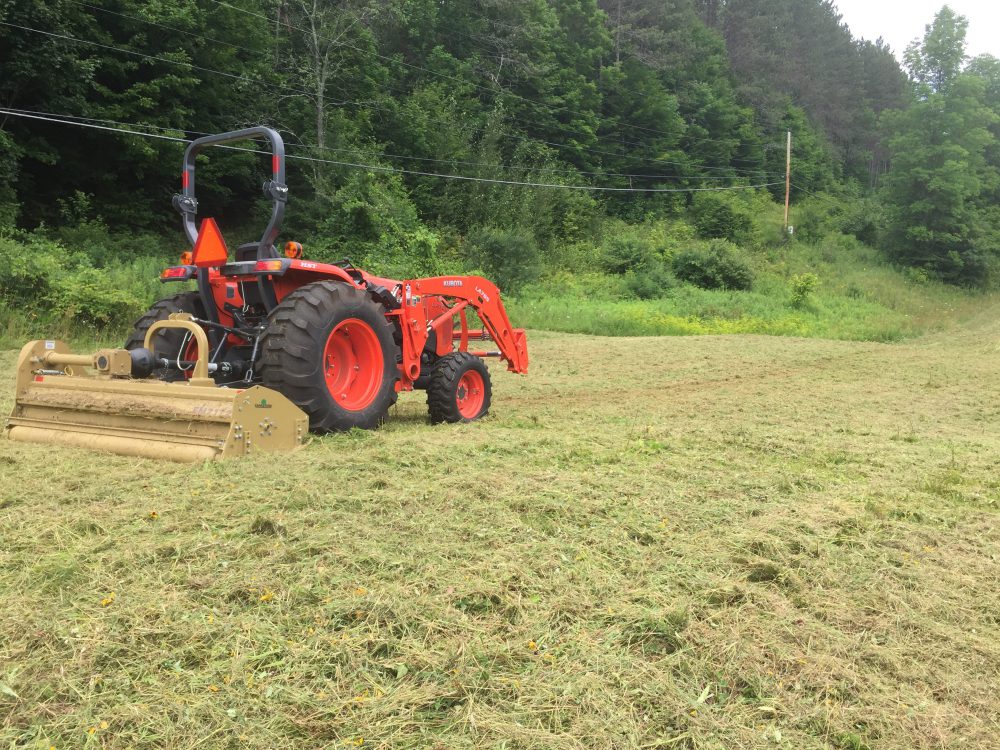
376,99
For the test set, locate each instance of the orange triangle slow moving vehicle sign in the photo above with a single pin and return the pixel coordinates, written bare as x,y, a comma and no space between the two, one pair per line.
210,249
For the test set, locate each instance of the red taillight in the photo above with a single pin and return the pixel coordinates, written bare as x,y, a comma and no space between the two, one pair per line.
177,272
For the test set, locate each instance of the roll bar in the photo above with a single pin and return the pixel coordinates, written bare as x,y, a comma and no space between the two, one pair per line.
275,188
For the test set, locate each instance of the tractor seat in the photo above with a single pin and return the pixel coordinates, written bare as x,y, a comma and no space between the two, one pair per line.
249,252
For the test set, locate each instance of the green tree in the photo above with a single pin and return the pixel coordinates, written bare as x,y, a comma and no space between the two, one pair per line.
177,65
939,149
886,87
987,69
936,61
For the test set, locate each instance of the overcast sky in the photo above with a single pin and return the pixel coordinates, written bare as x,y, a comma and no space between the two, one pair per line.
899,22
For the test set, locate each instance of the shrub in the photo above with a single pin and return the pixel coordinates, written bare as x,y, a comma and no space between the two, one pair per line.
717,265
28,267
720,217
803,285
862,219
816,217
916,275
410,255
626,253
650,281
509,256
89,297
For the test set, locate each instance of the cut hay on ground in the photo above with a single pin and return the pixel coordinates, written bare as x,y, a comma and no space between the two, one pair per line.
735,542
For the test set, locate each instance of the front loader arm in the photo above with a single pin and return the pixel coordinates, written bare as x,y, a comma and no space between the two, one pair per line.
466,291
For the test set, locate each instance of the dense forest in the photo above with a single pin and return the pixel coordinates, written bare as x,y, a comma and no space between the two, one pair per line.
495,134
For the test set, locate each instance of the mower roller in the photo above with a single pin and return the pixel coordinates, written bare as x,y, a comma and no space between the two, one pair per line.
267,348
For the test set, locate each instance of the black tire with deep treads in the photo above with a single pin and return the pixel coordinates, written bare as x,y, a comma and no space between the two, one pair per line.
166,343
443,387
293,346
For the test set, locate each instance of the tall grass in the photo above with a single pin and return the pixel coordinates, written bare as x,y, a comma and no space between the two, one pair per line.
858,297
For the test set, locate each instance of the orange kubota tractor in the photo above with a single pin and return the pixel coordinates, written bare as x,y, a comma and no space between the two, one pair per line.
337,342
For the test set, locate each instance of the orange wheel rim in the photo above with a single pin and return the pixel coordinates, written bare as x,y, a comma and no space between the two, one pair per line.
190,354
352,364
470,394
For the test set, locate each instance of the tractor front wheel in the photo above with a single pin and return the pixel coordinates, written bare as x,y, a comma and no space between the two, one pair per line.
329,348
459,389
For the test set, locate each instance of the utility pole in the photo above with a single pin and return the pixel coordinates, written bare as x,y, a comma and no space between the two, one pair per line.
788,177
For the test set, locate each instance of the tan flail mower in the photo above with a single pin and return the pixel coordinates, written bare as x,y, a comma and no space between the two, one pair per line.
110,409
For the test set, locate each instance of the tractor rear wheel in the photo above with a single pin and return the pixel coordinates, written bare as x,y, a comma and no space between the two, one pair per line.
330,349
459,389
167,344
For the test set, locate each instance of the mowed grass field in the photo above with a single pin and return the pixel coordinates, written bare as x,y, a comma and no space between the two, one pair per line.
708,542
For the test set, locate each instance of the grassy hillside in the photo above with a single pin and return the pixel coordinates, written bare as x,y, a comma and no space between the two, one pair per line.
836,289
709,542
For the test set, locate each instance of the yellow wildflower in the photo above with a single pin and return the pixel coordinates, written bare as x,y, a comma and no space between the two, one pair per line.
213,688
108,600
267,596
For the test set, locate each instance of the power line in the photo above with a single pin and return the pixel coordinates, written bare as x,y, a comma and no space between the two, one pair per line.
17,111
393,170
481,165
821,196
514,168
